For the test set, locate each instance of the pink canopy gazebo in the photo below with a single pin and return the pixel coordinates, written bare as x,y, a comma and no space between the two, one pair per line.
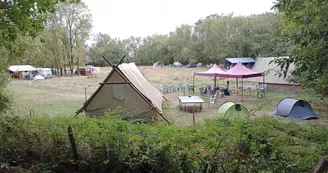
240,71
212,72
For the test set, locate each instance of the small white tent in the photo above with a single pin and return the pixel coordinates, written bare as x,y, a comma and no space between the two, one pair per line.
38,77
127,88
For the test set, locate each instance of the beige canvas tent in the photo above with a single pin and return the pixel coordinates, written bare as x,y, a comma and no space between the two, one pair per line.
127,88
272,71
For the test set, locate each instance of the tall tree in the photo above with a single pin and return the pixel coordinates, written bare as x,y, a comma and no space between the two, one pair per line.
113,48
304,25
19,18
76,19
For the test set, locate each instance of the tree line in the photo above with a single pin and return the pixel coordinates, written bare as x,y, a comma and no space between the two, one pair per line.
53,34
62,43
209,40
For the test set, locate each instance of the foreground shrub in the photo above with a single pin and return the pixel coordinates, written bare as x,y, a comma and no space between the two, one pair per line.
112,145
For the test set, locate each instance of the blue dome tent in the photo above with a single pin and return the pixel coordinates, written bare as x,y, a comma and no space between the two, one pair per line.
295,109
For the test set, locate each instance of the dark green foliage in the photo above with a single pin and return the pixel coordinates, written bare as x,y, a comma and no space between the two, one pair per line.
112,145
20,18
303,25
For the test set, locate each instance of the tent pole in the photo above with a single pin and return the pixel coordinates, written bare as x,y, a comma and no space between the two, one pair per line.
242,89
193,83
214,82
237,84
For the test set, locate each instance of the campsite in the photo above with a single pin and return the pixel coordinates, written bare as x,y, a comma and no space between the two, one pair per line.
159,87
59,99
67,94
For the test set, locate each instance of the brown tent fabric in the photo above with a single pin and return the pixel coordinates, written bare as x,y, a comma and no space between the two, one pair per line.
127,88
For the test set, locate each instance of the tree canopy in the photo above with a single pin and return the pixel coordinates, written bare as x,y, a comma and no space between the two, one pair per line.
303,26
208,40
20,18
20,22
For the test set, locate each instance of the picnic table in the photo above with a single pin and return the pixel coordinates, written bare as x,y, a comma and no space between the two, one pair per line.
184,100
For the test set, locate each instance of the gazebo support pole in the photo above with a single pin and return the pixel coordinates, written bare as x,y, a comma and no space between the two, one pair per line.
214,82
193,83
237,85
242,89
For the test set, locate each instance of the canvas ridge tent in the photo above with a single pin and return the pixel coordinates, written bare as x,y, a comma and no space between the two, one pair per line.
125,87
272,78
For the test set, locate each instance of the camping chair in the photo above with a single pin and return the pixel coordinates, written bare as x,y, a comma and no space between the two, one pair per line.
165,89
213,99
191,88
260,91
219,93
202,90
248,90
233,90
239,90
180,87
209,89
173,88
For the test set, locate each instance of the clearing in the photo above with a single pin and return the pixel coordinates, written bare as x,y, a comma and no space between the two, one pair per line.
62,96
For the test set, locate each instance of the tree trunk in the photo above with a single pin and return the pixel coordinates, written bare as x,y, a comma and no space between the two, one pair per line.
65,70
61,71
78,65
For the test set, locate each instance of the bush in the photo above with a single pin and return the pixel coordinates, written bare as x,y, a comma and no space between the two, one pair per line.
112,145
5,97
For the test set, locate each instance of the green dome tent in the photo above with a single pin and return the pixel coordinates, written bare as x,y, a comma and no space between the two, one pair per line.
231,109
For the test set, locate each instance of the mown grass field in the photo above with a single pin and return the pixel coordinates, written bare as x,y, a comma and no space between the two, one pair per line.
62,96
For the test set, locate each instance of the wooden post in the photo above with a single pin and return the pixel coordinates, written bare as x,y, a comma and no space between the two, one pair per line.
106,150
193,83
184,91
321,167
85,93
71,138
193,114
263,86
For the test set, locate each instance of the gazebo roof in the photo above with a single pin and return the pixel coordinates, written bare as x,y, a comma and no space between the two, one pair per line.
211,72
240,71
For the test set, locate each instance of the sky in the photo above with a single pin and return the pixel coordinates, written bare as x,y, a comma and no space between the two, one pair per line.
142,18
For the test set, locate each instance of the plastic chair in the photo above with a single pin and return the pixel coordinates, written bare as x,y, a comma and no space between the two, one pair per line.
180,87
213,99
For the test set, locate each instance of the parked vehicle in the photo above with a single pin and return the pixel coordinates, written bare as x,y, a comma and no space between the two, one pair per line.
85,71
192,65
45,72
